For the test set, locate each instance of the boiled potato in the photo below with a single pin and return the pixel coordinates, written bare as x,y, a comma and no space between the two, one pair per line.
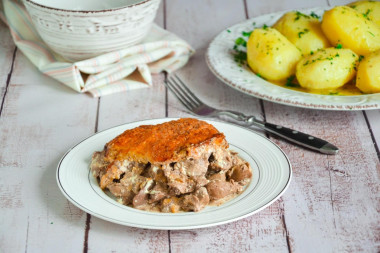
369,9
303,31
328,68
368,76
271,55
344,25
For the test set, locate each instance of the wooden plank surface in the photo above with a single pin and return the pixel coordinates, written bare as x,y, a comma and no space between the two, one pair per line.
339,181
327,190
373,118
196,73
260,232
332,204
34,135
107,237
115,110
324,205
7,54
257,8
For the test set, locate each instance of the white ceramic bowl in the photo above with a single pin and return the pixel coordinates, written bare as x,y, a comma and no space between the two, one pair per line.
82,29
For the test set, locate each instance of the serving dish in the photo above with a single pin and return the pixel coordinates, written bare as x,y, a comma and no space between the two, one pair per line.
83,29
221,62
271,177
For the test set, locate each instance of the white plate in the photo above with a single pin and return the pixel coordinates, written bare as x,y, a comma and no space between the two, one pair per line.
222,64
271,177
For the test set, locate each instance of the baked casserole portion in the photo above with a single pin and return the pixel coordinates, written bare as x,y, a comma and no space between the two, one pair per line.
181,165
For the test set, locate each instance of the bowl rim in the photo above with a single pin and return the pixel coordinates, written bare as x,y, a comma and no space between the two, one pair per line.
87,11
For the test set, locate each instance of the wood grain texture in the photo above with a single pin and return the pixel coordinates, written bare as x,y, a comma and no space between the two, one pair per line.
340,2
41,120
373,118
324,205
108,237
256,8
332,204
135,105
333,201
206,23
6,54
132,106
115,110
260,232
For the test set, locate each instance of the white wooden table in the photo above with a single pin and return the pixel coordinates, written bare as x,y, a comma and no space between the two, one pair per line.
332,204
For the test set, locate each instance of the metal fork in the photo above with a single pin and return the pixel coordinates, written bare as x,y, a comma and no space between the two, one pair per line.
197,107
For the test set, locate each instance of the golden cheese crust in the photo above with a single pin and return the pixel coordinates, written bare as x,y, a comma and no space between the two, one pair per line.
166,142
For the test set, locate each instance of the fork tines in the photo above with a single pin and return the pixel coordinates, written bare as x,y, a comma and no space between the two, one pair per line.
182,93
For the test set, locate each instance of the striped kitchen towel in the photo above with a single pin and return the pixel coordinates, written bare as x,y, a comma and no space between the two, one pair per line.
118,71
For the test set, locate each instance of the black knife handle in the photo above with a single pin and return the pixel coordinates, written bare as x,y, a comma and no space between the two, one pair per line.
302,139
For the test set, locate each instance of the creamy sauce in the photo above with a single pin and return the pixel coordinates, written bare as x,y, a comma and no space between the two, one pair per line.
154,208
227,198
174,205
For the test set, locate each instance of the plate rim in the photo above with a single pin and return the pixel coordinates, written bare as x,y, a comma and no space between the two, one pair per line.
276,99
204,225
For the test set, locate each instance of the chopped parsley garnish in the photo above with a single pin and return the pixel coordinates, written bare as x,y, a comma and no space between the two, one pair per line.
302,33
239,51
311,52
240,42
265,27
339,46
365,15
290,79
290,82
229,31
314,15
299,15
246,34
361,57
259,75
294,85
371,33
354,66
334,93
240,57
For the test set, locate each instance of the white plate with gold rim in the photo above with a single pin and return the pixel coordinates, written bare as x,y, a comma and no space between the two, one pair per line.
221,62
271,177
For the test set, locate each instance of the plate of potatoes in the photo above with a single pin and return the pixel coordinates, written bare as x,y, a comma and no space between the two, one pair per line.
321,58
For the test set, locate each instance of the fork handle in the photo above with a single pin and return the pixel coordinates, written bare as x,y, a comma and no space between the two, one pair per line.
301,139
